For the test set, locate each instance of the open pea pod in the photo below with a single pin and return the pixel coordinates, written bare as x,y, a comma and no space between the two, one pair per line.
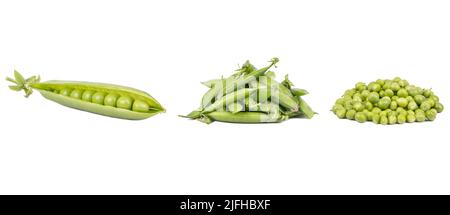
104,99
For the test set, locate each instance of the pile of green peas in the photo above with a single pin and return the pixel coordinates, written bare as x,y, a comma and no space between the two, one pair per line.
106,99
388,102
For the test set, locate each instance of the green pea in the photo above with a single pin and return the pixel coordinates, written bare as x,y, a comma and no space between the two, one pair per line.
369,115
392,119
383,113
431,114
402,102
347,97
419,111
419,99
348,105
411,118
395,87
340,101
420,117
350,92
387,84
392,113
65,92
111,99
389,93
360,117
76,94
384,103
376,110
384,120
382,93
431,102
358,106
425,106
98,98
427,93
357,98
376,118
439,107
394,98
350,114
380,82
397,79
368,105
140,106
412,105
402,93
337,107
125,102
373,97
410,99
87,95
411,112
400,110
401,118
365,94
403,83
374,87
360,86
341,113
435,98
393,105
413,91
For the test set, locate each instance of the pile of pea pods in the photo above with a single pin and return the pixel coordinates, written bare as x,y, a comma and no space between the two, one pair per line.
388,102
251,95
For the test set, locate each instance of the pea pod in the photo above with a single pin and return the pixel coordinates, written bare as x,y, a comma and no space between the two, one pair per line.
104,99
230,98
244,117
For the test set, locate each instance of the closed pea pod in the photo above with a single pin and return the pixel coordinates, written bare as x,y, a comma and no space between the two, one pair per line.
245,117
92,97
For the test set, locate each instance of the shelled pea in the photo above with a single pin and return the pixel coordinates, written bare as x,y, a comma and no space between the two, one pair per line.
388,102
251,95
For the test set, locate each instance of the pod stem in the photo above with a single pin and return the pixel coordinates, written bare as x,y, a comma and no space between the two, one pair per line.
23,84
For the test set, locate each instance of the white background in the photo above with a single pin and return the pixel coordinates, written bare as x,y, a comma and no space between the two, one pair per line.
167,47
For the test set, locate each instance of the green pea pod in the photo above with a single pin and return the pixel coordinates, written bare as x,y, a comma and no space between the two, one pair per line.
123,102
245,117
299,92
230,98
306,109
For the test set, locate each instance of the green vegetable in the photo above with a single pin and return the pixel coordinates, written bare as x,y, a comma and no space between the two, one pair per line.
96,98
388,102
254,96
360,117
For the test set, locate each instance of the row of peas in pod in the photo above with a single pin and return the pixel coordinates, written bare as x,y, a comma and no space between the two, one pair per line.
388,102
105,98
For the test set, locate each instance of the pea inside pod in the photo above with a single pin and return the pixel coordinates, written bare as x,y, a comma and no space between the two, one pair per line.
104,99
